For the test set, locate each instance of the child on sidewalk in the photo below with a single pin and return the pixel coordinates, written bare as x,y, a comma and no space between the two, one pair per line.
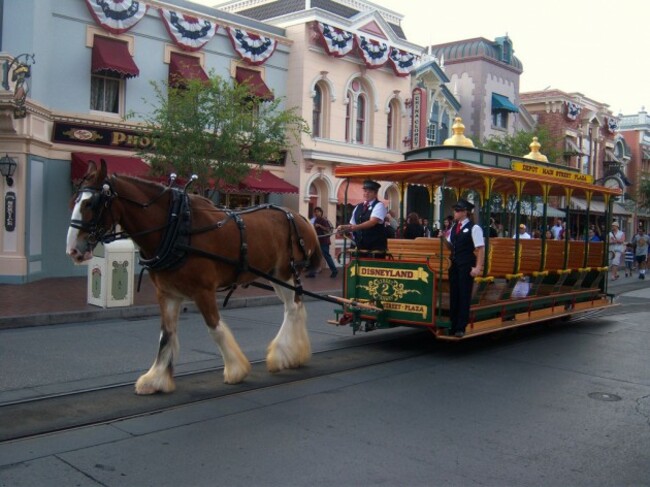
629,260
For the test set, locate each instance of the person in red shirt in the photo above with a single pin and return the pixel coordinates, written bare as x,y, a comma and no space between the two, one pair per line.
324,230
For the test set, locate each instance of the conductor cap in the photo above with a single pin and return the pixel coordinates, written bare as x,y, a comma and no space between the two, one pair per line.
371,185
463,205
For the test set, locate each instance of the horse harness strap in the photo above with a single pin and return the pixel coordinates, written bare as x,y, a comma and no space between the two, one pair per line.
171,252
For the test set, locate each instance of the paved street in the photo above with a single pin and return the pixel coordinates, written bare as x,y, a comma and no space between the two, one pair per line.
567,404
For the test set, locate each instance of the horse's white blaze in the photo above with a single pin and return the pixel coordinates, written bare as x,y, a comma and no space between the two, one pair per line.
235,364
73,233
291,347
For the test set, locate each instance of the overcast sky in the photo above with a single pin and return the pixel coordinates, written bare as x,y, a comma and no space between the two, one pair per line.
596,47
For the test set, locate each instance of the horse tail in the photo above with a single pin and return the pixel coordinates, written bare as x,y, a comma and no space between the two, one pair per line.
315,258
312,247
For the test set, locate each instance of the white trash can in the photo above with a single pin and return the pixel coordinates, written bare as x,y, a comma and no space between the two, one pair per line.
111,275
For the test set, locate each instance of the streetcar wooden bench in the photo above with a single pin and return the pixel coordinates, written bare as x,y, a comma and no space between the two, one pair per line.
430,250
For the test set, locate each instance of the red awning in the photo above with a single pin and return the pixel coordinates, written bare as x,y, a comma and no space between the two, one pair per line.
183,67
133,166
260,181
112,56
254,80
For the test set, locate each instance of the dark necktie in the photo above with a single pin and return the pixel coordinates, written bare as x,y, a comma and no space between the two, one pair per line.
365,207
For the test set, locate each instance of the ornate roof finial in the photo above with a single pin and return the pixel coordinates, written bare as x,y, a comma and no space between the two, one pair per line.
459,135
535,154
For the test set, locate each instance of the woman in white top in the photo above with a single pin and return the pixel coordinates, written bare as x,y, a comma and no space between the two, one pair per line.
616,247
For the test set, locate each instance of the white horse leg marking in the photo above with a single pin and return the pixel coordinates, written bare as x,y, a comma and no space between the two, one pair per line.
236,365
291,347
160,377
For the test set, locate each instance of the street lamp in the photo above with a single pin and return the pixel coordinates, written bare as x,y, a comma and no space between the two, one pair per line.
8,168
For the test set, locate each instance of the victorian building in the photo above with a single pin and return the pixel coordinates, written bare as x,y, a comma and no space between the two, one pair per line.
73,71
368,92
635,130
484,77
589,139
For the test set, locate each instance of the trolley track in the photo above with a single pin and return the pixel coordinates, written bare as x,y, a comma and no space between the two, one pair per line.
22,419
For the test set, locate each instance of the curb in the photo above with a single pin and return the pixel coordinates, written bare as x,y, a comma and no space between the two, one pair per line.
133,312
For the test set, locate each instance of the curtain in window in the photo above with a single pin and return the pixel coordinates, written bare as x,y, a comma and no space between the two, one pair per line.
104,94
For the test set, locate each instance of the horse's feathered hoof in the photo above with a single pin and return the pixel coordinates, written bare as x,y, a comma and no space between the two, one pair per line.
235,375
146,386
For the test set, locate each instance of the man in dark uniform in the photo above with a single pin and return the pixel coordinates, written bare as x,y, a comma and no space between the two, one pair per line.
465,237
367,222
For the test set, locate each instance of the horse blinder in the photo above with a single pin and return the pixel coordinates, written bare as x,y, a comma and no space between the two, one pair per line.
99,201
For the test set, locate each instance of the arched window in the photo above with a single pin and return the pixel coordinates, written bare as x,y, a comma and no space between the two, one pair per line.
348,117
357,114
360,120
317,112
392,125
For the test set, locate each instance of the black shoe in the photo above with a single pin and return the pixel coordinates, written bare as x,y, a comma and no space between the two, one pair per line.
334,274
310,275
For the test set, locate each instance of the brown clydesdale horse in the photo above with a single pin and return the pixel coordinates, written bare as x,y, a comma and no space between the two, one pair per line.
178,236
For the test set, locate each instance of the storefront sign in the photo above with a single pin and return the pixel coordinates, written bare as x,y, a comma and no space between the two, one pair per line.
552,172
100,137
419,118
10,211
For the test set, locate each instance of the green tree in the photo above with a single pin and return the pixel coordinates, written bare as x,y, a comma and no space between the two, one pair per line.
519,144
643,196
216,130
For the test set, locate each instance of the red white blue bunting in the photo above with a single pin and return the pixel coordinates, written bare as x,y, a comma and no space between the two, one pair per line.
612,125
374,53
117,16
573,110
401,61
254,49
189,32
337,42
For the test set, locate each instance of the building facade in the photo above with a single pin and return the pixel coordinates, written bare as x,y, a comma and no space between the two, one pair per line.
76,85
368,92
484,77
635,129
589,139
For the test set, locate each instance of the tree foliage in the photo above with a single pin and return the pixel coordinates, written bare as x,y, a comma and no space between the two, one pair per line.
519,144
643,197
216,130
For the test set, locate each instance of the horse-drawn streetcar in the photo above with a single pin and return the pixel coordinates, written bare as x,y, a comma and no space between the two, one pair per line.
192,249
523,281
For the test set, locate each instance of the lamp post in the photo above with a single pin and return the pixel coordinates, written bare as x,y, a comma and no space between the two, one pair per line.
8,168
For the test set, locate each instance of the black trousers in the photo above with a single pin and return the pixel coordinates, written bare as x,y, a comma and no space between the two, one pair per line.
461,284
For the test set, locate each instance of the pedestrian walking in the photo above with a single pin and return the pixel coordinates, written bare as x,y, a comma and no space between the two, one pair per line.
640,242
629,260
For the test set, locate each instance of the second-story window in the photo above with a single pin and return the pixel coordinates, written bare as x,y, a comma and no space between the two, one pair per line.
361,119
317,112
500,119
392,125
432,127
105,93
357,114
112,64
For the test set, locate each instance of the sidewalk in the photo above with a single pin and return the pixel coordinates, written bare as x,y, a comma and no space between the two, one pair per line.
64,300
